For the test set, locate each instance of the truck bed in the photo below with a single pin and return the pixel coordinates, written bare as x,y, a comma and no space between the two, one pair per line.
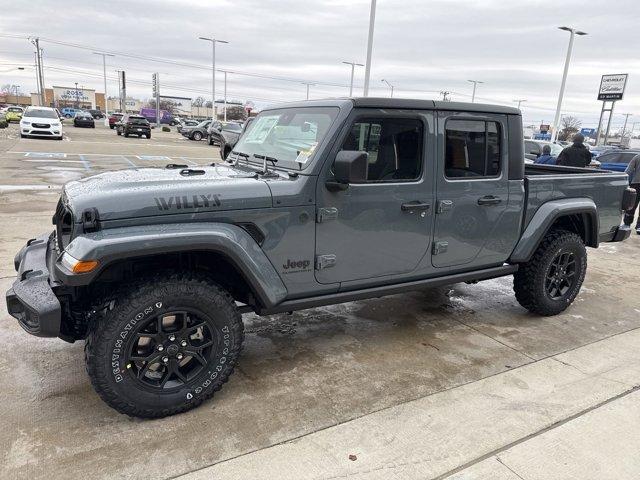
552,182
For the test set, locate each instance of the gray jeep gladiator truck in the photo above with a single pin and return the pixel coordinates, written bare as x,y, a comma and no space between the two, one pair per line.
320,202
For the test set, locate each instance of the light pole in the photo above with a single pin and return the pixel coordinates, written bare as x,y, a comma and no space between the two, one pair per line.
389,85
225,95
475,84
213,72
624,129
353,66
77,97
308,84
367,68
556,120
520,101
104,72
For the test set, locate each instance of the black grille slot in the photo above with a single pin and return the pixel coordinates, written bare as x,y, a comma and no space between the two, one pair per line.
253,230
40,125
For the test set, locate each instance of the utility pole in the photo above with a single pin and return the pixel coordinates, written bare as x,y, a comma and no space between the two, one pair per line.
367,68
556,121
119,90
104,72
353,66
308,84
444,94
35,56
624,129
225,95
39,68
213,73
520,101
389,85
475,84
123,89
77,97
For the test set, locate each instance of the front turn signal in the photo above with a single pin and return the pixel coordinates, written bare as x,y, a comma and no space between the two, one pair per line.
78,266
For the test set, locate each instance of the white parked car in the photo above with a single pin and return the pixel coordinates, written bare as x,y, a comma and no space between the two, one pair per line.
41,122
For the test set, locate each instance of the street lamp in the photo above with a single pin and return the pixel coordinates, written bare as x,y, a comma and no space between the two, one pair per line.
556,120
520,101
104,71
389,85
475,84
213,72
367,68
353,66
12,69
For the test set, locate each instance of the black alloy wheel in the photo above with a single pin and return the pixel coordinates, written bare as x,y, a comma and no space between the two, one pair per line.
560,275
169,350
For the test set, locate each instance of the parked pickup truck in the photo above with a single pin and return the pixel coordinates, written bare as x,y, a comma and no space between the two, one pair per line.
320,202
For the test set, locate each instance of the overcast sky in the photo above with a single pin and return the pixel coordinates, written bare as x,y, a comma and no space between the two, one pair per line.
420,46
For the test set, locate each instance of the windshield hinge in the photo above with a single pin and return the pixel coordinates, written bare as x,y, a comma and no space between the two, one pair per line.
328,213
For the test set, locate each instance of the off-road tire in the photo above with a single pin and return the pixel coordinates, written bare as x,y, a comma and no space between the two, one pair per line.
529,280
106,345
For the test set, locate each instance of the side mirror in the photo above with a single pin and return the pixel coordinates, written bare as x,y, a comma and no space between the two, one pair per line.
349,167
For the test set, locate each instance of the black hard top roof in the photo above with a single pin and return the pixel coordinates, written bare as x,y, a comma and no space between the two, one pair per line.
401,103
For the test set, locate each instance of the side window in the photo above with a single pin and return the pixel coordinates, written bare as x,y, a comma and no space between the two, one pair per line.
626,158
473,148
532,148
610,158
394,146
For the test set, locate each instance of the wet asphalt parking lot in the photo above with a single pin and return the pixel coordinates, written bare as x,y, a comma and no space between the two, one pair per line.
457,382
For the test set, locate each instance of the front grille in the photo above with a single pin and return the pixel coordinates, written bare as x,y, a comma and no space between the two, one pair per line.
63,220
41,125
41,132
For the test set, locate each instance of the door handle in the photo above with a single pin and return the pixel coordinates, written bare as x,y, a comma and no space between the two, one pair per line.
489,200
415,205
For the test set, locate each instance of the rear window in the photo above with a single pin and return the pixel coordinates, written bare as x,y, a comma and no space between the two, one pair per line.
133,119
472,149
40,112
14,109
232,127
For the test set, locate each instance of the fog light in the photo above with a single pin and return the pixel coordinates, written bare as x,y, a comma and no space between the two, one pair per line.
78,266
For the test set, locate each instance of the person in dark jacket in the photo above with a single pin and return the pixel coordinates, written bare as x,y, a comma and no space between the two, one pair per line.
633,170
576,155
546,158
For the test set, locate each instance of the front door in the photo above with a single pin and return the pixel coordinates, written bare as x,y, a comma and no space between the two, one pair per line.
473,224
381,227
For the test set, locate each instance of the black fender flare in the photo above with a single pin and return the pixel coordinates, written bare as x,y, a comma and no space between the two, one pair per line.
112,245
546,216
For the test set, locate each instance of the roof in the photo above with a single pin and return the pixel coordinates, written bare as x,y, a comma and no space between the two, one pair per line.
415,104
403,103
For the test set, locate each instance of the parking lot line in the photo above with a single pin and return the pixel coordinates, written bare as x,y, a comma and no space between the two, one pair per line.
129,161
86,164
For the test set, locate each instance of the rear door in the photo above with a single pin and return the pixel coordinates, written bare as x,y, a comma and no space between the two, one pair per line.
474,225
383,226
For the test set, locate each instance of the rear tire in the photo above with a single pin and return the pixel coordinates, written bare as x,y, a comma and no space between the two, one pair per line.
199,328
550,281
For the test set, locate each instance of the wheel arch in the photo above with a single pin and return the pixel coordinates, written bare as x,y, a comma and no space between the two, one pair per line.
226,252
577,215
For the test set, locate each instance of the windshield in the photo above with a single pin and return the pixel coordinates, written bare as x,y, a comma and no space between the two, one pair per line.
14,109
40,113
555,149
289,135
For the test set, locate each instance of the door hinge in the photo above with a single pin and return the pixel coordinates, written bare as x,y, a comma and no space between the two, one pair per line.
325,261
439,247
328,213
444,206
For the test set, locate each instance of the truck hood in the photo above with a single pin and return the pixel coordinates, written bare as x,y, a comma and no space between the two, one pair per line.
146,192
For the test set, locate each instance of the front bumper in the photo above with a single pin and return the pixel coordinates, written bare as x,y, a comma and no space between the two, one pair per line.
40,132
621,233
31,299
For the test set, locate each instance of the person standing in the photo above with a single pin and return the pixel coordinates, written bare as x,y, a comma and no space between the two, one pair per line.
575,155
546,158
633,170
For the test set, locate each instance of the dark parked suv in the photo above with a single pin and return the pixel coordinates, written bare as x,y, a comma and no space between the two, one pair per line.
133,125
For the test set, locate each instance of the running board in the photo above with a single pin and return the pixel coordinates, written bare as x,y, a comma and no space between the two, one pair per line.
381,291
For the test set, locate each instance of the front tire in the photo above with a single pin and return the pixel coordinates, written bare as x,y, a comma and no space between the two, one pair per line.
197,136
550,281
164,347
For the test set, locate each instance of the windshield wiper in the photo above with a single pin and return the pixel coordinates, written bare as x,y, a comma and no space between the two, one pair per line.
265,159
237,154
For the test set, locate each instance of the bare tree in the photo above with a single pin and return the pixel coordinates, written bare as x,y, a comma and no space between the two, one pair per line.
198,102
570,126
